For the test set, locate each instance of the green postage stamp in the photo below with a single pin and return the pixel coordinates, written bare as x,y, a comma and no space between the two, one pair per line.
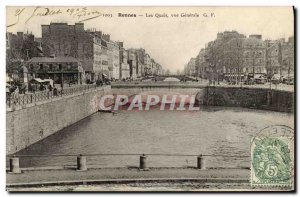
272,157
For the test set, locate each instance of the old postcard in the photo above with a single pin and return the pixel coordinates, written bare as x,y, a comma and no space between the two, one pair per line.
150,99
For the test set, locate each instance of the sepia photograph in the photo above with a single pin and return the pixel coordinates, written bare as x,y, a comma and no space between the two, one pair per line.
150,99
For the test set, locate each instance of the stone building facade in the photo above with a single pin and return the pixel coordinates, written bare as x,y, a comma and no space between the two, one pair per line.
98,55
124,66
280,56
235,57
133,63
62,70
191,67
63,40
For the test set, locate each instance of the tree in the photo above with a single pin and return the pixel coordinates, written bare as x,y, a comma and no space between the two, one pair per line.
215,58
168,72
233,59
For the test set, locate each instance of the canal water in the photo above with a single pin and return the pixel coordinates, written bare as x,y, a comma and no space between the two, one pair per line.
210,131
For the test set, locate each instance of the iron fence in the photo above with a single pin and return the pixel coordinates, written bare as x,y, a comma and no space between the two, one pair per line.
29,98
14,162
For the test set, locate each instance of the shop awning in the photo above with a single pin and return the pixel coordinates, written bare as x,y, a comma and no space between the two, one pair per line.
43,81
38,80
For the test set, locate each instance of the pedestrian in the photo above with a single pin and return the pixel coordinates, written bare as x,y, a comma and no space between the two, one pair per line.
29,87
55,91
23,89
98,82
7,93
16,95
34,88
50,88
41,88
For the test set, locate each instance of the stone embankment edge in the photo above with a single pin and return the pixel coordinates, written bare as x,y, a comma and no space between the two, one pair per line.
126,181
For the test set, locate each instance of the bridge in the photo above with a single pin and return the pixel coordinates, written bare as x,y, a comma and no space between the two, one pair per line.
132,89
160,89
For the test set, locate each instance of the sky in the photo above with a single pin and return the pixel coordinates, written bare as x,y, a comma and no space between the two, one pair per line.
170,41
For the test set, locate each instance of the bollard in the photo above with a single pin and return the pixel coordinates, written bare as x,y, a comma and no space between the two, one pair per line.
200,162
14,165
81,163
269,98
143,163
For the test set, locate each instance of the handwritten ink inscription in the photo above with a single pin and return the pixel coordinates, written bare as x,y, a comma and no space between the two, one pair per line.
81,14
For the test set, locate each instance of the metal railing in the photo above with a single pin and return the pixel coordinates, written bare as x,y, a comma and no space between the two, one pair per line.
14,166
202,84
29,98
129,154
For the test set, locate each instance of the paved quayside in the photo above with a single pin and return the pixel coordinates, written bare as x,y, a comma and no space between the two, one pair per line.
106,179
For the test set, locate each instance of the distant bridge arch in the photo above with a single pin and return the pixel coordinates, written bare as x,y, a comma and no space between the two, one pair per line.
159,89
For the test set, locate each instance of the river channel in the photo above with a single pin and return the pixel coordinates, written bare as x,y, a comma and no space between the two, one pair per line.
210,131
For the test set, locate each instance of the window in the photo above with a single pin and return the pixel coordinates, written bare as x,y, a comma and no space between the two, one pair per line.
59,66
50,66
41,66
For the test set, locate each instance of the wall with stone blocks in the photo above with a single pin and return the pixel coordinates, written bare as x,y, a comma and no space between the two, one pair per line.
33,123
266,99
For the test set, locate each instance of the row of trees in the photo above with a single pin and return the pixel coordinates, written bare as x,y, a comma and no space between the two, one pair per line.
238,57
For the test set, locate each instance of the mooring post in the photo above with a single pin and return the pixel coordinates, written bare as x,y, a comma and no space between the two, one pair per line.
14,165
81,163
200,162
143,162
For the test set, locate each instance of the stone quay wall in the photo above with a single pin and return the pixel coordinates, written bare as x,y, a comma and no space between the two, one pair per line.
257,98
32,123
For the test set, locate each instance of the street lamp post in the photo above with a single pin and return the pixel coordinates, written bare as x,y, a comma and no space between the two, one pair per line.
253,62
289,69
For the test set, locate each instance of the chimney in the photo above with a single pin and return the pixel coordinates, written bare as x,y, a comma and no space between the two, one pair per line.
120,44
106,37
79,27
257,36
20,35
